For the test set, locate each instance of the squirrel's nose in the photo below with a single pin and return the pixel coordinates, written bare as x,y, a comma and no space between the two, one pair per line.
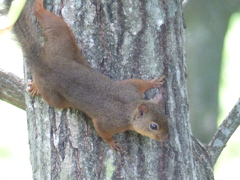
162,137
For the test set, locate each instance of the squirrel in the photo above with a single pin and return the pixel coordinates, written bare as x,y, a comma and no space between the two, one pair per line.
64,79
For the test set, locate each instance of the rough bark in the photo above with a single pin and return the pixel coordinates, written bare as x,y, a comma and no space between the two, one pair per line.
122,39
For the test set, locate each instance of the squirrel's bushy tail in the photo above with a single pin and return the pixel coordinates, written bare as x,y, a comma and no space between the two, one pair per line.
26,32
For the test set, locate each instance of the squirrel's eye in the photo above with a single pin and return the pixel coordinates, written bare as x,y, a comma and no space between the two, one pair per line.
153,126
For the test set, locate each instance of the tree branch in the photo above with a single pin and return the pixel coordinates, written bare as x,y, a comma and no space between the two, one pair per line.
224,132
12,89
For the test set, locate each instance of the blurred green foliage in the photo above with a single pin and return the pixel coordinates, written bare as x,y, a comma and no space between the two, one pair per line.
5,152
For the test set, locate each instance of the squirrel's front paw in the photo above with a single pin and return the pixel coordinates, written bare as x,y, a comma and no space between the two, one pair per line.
114,144
32,88
158,82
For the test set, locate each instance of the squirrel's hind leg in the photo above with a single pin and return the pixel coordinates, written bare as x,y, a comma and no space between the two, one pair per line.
108,137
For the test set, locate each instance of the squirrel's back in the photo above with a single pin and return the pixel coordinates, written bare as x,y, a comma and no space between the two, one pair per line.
60,72
63,78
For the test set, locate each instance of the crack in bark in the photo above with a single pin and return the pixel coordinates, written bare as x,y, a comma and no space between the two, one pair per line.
101,30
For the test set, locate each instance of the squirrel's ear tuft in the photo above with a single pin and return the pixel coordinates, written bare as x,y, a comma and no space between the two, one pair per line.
158,99
142,110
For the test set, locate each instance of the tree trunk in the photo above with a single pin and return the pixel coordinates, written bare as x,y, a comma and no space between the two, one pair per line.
122,39
205,31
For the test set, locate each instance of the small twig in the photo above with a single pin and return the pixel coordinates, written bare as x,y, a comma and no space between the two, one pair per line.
224,132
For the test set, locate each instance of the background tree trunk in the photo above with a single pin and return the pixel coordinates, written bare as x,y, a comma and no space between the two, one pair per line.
205,34
122,39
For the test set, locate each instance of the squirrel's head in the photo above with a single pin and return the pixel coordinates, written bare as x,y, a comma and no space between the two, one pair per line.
149,119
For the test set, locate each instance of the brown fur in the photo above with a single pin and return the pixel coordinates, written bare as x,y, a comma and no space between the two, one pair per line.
63,78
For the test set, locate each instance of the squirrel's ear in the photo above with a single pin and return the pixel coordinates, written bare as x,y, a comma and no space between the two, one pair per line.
158,99
142,110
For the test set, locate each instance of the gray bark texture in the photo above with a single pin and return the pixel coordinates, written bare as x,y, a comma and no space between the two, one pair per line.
122,39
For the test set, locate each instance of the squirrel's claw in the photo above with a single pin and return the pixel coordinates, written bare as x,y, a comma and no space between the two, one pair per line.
32,88
114,144
158,82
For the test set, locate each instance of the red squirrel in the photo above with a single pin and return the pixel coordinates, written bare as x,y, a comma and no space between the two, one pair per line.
62,77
